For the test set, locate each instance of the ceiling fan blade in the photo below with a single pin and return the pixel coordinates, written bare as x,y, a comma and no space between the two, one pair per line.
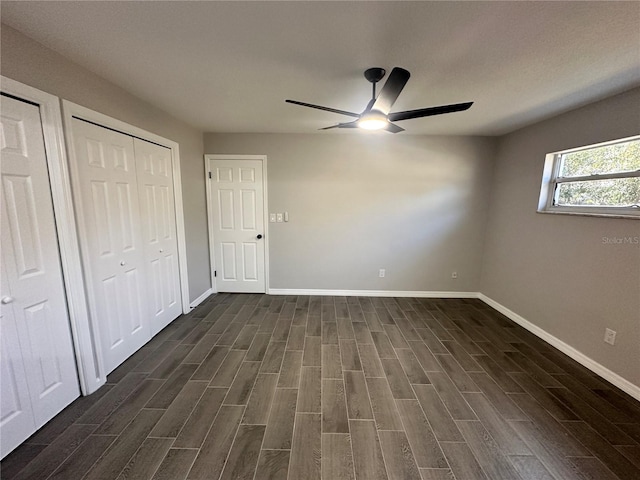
326,109
427,112
390,127
342,125
393,128
391,90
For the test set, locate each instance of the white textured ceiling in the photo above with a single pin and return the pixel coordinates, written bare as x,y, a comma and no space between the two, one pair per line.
229,66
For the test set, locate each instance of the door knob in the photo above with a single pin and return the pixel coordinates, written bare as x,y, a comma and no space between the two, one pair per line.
123,263
161,250
6,300
259,236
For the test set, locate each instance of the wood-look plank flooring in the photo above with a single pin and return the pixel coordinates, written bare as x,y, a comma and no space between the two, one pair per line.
259,387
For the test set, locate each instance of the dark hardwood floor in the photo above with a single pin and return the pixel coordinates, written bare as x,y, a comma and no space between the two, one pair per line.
334,388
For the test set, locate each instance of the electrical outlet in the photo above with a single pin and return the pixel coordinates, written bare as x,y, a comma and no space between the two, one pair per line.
454,274
610,336
382,273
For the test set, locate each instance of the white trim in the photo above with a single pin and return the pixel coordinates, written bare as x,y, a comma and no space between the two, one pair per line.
89,327
371,293
201,298
612,377
265,202
180,228
50,113
212,257
585,214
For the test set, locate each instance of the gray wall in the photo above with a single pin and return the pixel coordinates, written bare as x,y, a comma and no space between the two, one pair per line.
555,270
31,63
413,205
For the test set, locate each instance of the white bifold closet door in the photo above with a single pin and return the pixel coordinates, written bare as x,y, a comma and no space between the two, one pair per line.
125,198
38,376
155,187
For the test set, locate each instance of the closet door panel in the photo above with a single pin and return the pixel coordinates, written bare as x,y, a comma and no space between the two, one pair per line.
111,239
17,421
155,183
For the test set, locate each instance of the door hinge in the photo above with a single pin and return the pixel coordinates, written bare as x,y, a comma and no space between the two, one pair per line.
215,273
209,174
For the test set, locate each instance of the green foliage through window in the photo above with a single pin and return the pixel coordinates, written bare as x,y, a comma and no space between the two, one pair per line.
619,162
615,192
620,157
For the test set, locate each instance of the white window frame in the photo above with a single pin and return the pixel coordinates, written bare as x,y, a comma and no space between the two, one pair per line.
550,181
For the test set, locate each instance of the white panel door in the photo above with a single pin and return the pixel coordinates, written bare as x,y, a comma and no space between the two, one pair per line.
155,185
106,196
39,376
17,421
238,225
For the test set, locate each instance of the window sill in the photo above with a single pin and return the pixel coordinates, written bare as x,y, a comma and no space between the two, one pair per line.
582,213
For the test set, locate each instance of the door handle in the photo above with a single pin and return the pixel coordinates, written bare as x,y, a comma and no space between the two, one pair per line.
259,236
6,300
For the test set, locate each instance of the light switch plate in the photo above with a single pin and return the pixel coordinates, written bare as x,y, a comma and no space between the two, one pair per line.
272,217
279,217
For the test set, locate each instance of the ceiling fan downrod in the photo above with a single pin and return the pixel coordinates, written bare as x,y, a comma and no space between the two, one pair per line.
374,75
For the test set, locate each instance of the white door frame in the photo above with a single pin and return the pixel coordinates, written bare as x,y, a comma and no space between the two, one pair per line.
50,113
71,110
263,159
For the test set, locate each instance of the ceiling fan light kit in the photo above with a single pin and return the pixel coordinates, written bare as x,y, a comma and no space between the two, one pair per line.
373,120
377,115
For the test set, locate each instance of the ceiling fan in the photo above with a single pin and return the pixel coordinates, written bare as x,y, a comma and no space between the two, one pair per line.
377,115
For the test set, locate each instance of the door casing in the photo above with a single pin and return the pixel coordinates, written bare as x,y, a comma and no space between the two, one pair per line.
66,227
209,191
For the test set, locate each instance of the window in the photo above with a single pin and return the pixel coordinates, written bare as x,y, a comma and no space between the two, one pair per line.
601,179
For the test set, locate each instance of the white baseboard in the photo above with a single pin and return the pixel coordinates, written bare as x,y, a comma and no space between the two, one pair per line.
201,298
370,293
612,377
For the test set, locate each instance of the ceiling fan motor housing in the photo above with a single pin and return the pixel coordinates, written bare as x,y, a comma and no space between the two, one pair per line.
375,74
